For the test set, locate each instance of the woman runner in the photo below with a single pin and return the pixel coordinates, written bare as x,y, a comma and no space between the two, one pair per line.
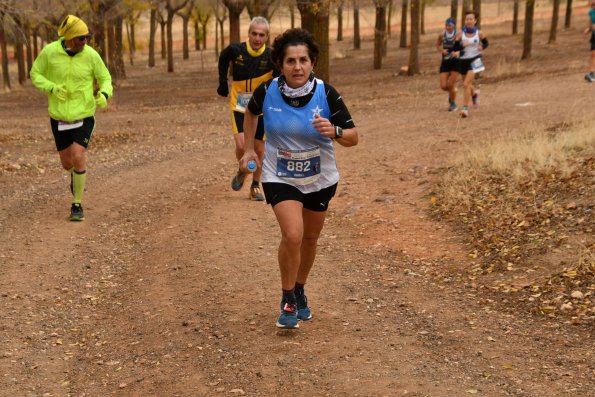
303,116
470,43
449,67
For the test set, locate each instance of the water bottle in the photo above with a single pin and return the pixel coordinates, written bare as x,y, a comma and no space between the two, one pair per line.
251,166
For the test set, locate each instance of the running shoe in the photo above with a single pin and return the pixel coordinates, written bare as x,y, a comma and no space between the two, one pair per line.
475,98
303,310
465,112
256,194
238,180
452,107
590,77
288,316
76,212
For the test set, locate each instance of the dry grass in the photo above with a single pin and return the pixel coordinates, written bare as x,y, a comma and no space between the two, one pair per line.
525,205
523,157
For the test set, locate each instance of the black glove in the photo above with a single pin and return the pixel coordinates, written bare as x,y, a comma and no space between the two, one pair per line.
223,90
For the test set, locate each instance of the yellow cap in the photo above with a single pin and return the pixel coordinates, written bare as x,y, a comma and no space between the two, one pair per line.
72,27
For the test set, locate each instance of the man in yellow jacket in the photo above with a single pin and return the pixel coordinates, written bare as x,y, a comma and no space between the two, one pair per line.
65,71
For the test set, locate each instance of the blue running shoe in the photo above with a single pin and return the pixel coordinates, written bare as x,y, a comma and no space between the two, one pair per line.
288,316
238,181
303,310
452,107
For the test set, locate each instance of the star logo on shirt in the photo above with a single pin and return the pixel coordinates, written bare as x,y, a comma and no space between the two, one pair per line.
316,111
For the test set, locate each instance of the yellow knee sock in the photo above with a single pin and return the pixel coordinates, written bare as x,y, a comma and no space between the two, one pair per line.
78,183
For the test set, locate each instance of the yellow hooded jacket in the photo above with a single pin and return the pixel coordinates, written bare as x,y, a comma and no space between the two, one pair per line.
54,66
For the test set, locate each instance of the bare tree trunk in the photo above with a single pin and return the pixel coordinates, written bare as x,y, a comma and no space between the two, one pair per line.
235,8
170,42
203,19
515,17
152,31
35,44
454,5
554,26
340,21
133,35
118,49
477,9
321,35
162,24
413,67
357,42
29,51
423,17
20,55
130,46
568,16
111,51
465,6
234,27
379,33
4,50
292,14
307,14
403,41
391,10
185,48
528,38
221,34
97,26
197,34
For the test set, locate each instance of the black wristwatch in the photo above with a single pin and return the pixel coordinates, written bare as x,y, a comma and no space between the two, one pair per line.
338,132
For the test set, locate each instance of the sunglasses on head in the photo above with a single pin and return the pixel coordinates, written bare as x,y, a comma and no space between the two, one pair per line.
85,37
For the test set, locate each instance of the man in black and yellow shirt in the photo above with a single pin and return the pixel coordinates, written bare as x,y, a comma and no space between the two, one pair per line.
251,65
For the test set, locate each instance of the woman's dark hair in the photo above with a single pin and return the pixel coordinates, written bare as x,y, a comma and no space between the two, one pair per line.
292,37
475,14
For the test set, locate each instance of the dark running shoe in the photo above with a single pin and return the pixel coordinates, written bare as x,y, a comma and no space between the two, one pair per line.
238,181
288,316
76,212
303,310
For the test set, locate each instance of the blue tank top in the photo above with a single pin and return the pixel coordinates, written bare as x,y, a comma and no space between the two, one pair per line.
592,15
295,152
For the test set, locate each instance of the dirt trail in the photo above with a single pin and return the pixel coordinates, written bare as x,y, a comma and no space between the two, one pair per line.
170,287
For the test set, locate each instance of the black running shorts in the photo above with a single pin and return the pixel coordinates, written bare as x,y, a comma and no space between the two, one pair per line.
81,135
593,40
238,125
449,65
465,65
315,201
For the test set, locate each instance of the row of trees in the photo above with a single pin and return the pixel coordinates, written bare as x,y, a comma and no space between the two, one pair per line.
28,24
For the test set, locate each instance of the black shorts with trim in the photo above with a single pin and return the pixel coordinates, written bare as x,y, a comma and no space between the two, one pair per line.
593,40
449,65
315,201
465,65
238,119
81,135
